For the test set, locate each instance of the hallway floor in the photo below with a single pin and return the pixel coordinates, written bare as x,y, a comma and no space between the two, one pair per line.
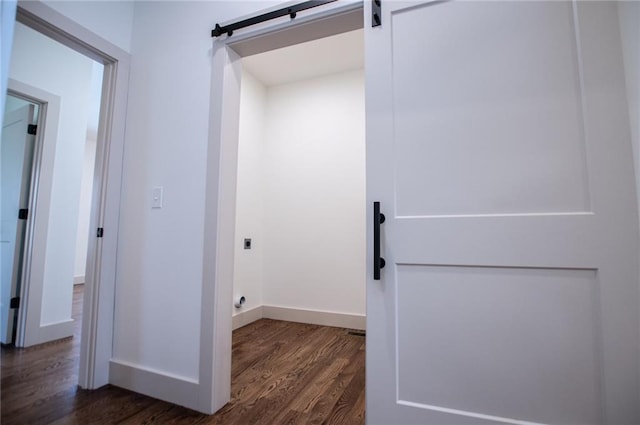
282,373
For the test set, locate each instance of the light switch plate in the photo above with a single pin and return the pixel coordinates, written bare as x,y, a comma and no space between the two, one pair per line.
156,197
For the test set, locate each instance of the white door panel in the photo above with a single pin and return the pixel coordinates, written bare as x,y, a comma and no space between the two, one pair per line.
498,146
496,92
489,335
561,241
16,157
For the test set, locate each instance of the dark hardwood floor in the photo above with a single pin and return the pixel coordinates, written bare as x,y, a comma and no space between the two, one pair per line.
282,373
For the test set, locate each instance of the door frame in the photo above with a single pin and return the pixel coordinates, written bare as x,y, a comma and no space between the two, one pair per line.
222,161
98,307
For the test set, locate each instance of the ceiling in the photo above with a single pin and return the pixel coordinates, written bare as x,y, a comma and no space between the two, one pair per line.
330,55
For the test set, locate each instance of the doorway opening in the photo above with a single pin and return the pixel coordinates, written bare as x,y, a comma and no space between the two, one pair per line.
300,201
292,189
300,251
97,314
60,89
57,187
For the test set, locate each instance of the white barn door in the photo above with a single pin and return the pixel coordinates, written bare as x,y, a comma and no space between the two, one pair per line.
498,147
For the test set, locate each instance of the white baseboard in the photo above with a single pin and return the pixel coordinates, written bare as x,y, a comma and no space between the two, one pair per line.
77,280
55,331
243,318
153,383
316,317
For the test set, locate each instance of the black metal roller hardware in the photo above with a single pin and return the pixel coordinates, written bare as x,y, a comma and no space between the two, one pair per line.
292,11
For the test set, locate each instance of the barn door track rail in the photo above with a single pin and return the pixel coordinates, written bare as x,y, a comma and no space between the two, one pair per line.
290,10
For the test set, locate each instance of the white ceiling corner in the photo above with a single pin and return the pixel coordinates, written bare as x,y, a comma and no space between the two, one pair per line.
325,56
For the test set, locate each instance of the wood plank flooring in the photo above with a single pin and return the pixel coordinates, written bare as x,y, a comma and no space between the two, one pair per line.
282,373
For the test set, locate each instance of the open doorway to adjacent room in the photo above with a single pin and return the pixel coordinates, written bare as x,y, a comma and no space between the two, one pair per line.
300,230
49,222
49,143
300,203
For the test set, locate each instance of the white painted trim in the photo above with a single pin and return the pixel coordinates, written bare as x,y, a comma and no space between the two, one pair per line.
99,294
220,205
325,21
245,317
219,229
53,331
78,280
315,317
299,315
161,385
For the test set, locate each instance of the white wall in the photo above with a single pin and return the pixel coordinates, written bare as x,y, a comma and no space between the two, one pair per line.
629,14
110,19
7,19
88,165
314,195
43,63
248,264
160,260
301,194
84,211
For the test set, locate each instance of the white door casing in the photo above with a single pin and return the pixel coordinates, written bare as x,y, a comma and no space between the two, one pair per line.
17,157
498,145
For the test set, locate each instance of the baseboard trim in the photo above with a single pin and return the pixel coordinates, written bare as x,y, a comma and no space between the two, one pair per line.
54,331
78,280
245,317
316,317
153,383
